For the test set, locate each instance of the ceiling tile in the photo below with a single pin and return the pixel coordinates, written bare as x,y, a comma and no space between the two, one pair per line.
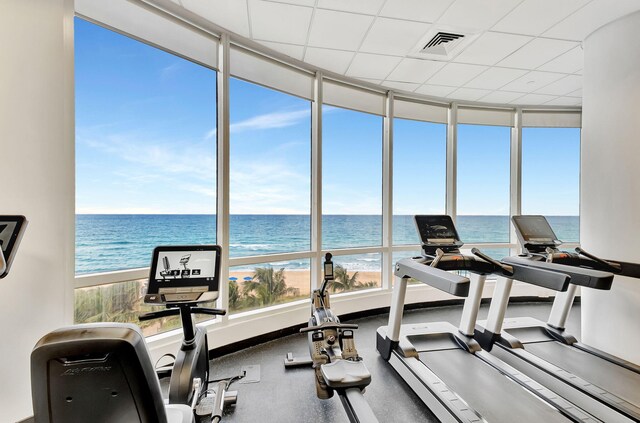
417,10
415,70
231,15
373,66
502,97
310,3
536,53
290,50
456,74
393,36
477,14
533,99
533,17
569,62
370,7
338,30
491,47
405,86
495,78
564,101
532,81
564,86
265,15
469,94
591,17
435,90
333,60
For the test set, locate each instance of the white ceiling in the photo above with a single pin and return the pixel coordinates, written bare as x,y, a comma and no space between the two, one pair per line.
522,52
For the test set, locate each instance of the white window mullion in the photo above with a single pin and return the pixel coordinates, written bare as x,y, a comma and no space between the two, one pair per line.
387,194
516,172
316,183
223,144
452,162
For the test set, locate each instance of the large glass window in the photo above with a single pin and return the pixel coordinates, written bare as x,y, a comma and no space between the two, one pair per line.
270,171
483,183
551,178
419,175
145,164
351,178
256,286
145,150
356,272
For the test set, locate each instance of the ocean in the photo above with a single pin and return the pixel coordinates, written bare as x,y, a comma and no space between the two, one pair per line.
108,242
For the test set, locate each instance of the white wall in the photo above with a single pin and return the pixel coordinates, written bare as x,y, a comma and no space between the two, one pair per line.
37,172
610,192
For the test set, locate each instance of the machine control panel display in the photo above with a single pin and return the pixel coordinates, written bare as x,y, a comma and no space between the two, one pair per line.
184,274
534,229
437,230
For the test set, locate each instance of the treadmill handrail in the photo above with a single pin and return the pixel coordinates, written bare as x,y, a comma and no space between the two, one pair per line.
579,276
441,279
557,281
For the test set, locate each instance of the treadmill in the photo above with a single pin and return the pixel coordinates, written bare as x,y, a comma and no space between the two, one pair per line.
604,385
443,364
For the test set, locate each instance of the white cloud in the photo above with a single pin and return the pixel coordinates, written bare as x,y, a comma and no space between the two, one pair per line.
271,120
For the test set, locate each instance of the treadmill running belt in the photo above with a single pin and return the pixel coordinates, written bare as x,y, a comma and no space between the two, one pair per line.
494,396
615,379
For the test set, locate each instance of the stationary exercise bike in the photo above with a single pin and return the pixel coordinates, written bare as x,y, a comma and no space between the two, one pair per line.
334,358
102,372
187,287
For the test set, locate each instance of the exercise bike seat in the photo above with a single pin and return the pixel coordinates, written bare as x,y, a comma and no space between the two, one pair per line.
344,374
98,372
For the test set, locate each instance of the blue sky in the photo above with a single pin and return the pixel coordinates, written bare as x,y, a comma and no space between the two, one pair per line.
145,143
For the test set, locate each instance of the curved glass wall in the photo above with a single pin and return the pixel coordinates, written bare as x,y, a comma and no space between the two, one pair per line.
147,143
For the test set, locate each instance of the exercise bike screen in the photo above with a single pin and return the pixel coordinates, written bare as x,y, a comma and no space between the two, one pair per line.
185,265
534,228
183,274
436,229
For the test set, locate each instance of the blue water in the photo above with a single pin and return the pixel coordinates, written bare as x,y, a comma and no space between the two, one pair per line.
116,242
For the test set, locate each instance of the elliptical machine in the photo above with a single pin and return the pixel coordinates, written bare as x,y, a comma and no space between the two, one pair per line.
334,358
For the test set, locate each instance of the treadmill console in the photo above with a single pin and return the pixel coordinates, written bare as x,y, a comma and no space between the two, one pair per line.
11,230
184,274
535,233
437,231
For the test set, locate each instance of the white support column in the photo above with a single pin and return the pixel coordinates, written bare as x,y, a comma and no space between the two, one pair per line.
387,194
316,183
499,303
561,307
472,304
397,308
222,212
452,162
516,172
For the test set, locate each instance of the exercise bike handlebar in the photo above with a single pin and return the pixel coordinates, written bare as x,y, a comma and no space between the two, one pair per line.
175,311
329,325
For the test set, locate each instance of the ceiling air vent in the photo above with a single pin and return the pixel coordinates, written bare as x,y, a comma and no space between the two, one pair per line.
442,43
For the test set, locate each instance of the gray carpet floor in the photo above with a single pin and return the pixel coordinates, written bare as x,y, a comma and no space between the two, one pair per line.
289,395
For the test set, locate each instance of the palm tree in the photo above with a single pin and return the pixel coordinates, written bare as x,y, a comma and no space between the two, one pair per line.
235,296
342,281
266,287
